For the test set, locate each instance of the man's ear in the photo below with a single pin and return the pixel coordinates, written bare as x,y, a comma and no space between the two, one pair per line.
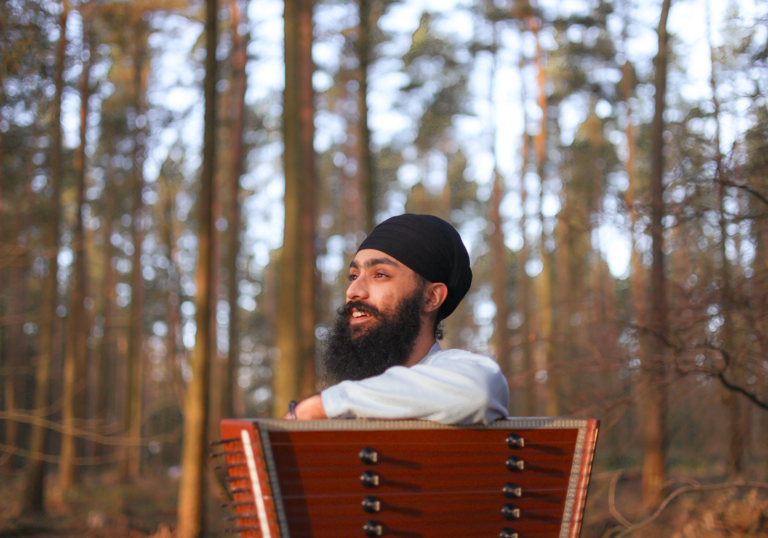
435,295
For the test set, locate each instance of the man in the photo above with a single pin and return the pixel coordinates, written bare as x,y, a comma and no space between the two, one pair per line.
408,275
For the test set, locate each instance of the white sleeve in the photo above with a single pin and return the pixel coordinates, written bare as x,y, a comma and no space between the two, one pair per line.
452,387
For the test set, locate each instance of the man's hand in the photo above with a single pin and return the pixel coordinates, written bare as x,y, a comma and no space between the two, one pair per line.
309,409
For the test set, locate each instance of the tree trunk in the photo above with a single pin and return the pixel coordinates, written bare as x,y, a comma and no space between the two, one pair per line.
173,316
637,287
294,371
33,500
500,280
730,399
548,394
192,484
365,168
129,457
107,356
523,295
654,367
239,60
74,360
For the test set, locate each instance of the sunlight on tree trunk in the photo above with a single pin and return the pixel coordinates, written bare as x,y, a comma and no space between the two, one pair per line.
192,483
239,86
548,395
294,369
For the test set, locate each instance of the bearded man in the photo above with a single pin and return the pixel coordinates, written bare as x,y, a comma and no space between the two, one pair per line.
408,275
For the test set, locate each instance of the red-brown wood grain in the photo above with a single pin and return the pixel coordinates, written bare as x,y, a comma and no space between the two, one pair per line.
432,482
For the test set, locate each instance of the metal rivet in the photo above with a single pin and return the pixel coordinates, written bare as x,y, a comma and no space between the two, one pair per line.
515,464
512,491
373,528
508,533
510,512
369,456
370,479
371,504
515,441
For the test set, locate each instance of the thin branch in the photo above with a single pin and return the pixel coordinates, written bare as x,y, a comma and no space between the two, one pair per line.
747,189
685,489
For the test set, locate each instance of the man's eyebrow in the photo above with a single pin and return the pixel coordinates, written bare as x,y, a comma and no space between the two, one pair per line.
374,261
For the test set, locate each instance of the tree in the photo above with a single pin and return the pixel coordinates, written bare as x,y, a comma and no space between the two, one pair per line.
129,457
74,359
191,486
654,397
33,495
295,330
236,160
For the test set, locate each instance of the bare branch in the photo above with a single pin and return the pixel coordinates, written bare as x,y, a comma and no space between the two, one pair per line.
680,491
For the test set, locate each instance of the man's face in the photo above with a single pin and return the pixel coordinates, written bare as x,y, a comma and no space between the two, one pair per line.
377,284
378,326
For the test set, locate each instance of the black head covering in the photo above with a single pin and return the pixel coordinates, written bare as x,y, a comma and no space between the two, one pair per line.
431,247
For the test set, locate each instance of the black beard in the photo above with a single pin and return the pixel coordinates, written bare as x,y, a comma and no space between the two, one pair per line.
358,353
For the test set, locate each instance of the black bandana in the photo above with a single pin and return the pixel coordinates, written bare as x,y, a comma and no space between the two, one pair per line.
430,247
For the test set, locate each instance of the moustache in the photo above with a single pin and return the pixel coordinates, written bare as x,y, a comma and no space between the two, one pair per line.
360,306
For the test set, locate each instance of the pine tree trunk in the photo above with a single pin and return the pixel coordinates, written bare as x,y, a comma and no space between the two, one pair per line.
294,371
192,484
365,168
523,294
500,280
129,458
74,360
173,315
33,500
107,356
654,363
239,59
548,390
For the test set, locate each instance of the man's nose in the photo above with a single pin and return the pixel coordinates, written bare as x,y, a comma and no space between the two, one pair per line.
357,290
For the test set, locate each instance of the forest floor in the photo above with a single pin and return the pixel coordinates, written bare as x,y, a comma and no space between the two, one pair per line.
697,505
102,508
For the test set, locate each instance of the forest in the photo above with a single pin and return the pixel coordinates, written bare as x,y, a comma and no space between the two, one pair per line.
183,184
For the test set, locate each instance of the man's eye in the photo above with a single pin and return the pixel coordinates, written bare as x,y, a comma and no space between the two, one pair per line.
352,277
380,275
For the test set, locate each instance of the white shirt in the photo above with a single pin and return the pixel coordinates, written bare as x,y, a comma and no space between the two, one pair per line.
451,387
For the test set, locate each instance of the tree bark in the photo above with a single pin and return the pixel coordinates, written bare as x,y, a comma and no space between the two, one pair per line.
173,316
654,367
500,280
74,360
239,60
33,496
192,484
365,169
294,371
107,355
548,394
129,457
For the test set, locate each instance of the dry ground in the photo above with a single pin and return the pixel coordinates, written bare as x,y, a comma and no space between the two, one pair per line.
102,508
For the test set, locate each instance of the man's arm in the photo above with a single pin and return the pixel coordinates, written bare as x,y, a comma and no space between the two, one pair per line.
454,387
309,409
